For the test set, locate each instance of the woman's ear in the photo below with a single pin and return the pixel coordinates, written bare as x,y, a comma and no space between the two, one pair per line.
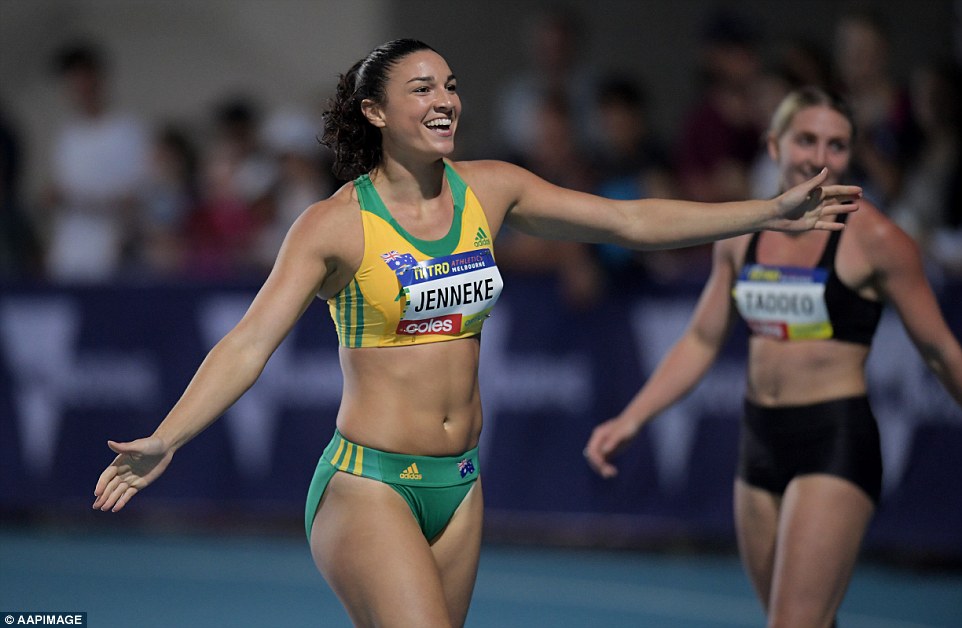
372,111
772,145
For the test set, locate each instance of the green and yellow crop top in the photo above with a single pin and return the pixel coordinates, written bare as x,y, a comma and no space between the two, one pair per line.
409,291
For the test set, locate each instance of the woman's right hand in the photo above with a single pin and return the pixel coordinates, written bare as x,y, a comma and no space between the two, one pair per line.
138,463
812,205
606,442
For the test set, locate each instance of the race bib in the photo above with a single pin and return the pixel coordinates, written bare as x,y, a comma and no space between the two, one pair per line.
448,295
784,302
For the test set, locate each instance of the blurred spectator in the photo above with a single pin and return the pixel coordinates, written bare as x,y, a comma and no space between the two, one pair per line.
554,156
631,162
553,41
883,120
629,153
237,173
554,152
929,205
20,253
99,166
793,63
170,198
802,62
772,86
719,137
303,175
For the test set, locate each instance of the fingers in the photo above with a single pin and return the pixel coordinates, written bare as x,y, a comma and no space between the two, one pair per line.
853,192
822,225
837,195
843,207
106,494
596,455
818,178
602,467
111,491
115,497
123,448
835,192
105,478
114,494
124,498
110,486
110,473
833,210
843,198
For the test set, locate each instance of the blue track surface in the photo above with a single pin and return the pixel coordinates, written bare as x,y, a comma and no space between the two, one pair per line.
126,580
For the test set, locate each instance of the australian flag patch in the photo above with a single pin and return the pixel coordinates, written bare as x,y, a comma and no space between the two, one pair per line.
399,262
466,467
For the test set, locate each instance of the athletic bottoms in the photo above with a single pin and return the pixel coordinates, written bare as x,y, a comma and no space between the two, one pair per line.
432,486
838,437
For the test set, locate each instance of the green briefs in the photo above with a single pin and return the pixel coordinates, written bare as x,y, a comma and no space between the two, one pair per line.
433,487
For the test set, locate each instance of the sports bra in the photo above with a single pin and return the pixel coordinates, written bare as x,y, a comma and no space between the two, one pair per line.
793,303
409,291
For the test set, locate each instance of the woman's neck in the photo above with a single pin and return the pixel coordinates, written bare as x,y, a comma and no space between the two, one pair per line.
413,182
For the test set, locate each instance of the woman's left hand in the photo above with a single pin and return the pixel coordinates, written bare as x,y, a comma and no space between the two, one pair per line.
811,205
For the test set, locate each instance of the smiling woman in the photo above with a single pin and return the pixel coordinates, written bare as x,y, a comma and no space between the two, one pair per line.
810,466
403,253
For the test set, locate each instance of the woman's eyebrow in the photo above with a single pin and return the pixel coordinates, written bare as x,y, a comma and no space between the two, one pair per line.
428,79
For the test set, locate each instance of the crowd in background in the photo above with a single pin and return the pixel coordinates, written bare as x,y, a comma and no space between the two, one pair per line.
130,200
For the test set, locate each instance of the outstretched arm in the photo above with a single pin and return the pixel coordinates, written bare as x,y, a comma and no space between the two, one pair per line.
534,206
678,372
231,367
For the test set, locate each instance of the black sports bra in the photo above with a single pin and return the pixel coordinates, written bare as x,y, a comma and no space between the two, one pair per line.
793,303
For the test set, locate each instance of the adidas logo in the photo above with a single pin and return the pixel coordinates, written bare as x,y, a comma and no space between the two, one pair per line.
411,473
481,238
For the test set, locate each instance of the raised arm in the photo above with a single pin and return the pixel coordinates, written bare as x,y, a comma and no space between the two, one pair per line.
679,370
230,368
534,206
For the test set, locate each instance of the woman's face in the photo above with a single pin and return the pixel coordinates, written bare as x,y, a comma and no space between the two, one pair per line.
816,137
421,107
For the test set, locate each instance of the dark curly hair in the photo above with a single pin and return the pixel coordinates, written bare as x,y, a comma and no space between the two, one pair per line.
355,142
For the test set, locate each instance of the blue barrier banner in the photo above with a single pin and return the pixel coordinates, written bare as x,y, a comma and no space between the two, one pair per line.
81,365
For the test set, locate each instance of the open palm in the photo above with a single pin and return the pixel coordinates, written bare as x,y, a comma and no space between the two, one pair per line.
811,205
138,463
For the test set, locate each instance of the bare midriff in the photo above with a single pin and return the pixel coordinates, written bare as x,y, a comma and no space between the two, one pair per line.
421,400
784,373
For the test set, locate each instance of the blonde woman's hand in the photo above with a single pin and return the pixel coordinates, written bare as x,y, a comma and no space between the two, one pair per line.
607,441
